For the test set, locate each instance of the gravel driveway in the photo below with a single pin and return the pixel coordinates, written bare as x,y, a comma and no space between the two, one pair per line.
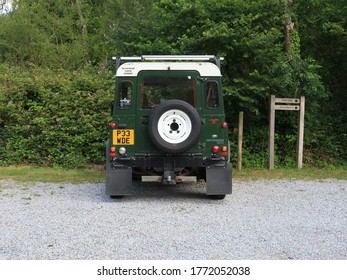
274,219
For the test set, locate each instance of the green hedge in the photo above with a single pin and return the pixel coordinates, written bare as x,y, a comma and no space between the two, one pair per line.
61,118
53,117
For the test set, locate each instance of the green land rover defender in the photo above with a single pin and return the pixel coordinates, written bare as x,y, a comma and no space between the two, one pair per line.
168,124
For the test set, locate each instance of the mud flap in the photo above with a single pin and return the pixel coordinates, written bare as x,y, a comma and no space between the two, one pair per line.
118,180
219,179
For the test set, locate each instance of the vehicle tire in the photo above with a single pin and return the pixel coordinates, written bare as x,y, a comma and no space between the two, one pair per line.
116,196
217,196
174,126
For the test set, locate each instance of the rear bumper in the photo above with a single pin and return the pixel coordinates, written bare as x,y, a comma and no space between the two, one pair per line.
171,162
217,172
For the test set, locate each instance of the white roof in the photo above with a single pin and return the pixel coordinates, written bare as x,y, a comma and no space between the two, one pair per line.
205,69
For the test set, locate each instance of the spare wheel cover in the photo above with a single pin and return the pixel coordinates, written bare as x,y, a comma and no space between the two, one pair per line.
174,126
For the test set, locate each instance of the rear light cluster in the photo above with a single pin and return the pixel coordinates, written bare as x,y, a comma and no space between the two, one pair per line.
113,152
121,151
216,149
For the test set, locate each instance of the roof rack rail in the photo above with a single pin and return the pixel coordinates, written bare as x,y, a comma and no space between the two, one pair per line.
212,58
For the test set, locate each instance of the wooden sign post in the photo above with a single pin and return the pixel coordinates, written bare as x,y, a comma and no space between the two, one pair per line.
239,146
291,104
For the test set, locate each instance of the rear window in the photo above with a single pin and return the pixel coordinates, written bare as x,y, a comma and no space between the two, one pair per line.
156,90
125,95
211,95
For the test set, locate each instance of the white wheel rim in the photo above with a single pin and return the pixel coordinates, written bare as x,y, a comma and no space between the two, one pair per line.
174,126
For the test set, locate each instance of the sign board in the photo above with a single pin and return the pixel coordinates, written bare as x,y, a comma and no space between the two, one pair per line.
290,104
287,107
287,100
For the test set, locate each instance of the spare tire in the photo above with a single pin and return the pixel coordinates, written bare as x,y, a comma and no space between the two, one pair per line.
174,126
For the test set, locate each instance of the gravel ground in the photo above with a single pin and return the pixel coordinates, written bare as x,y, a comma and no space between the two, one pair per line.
275,219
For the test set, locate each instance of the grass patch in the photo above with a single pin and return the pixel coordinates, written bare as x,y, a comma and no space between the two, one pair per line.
96,174
307,173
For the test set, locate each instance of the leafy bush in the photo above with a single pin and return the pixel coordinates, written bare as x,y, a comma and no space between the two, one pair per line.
53,117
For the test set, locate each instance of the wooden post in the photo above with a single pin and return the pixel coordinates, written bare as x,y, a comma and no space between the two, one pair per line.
240,136
301,132
272,133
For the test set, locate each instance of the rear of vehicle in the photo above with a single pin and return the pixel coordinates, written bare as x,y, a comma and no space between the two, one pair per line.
168,125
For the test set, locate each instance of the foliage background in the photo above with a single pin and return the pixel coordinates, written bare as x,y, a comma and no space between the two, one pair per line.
56,75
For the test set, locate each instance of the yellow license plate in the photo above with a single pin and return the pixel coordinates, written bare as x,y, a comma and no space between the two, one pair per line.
123,137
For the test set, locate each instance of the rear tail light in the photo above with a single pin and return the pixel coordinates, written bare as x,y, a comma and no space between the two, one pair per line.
215,149
113,125
224,125
113,152
224,151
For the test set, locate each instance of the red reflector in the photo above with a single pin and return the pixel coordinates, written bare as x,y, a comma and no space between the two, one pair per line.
113,154
215,149
224,154
113,125
224,125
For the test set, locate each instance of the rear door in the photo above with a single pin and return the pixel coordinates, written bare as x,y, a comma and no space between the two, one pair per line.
156,87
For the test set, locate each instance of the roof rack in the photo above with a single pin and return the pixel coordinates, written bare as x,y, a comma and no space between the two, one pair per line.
212,58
